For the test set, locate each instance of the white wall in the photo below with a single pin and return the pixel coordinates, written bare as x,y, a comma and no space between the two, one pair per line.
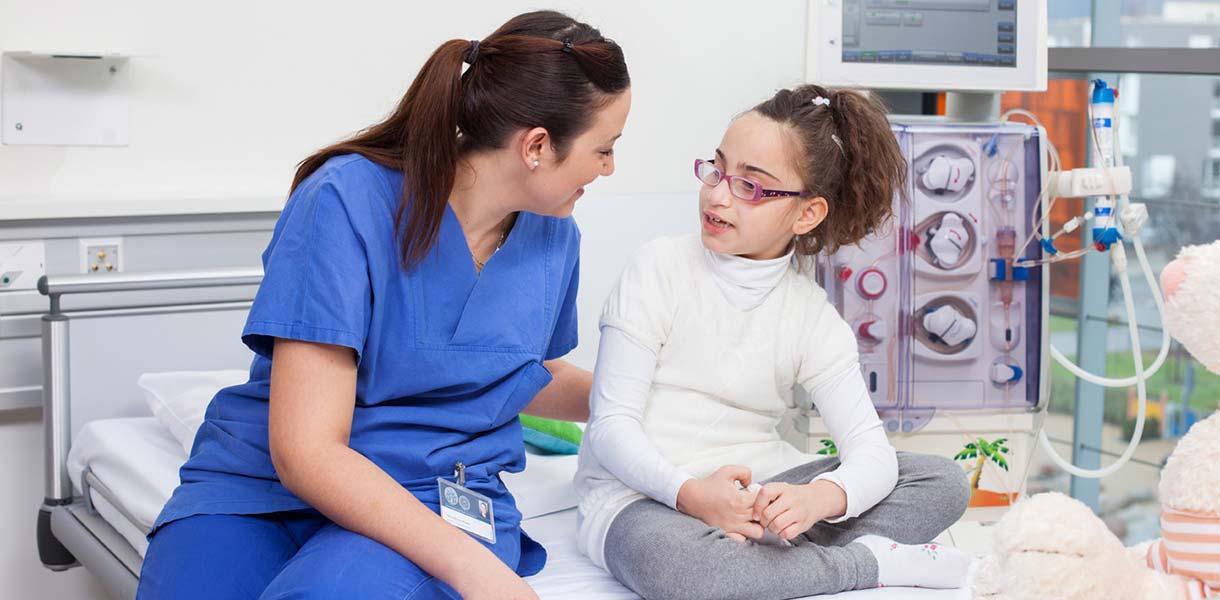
228,95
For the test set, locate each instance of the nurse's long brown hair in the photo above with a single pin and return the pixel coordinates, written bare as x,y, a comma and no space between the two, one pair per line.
522,76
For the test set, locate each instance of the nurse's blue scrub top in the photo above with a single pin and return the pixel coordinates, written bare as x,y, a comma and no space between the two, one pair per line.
446,358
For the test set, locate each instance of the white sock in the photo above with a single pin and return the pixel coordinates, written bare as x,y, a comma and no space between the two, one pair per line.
921,565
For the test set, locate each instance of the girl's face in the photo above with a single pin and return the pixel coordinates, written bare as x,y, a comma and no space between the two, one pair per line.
758,149
554,186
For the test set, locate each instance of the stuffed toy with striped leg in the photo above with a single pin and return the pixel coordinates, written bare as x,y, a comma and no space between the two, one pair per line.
1190,481
1052,546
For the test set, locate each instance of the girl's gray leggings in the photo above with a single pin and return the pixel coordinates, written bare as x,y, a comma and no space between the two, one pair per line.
663,554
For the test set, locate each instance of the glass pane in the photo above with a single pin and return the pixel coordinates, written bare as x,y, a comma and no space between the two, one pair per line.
1169,129
1173,175
1181,393
1068,22
1171,23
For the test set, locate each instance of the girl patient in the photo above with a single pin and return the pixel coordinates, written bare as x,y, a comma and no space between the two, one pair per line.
702,343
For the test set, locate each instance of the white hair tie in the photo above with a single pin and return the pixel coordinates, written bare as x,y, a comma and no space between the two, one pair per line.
823,101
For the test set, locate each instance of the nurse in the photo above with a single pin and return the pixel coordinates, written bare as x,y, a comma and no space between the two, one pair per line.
419,289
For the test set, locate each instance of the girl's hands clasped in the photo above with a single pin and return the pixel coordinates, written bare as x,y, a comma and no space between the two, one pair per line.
786,509
720,501
789,510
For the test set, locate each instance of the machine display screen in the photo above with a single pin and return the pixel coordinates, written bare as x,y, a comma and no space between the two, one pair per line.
938,32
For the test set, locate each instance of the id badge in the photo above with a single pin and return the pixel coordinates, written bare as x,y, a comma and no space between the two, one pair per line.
469,511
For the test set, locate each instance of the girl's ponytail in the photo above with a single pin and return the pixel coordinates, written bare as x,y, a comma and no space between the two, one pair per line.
876,169
848,155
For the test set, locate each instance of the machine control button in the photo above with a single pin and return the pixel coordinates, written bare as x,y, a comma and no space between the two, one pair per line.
875,330
871,283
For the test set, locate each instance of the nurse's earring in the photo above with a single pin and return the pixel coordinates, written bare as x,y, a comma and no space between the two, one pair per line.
536,163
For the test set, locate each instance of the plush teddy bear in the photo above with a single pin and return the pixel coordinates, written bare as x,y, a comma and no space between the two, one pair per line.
1052,546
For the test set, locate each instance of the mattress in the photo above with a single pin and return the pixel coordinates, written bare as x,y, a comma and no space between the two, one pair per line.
127,468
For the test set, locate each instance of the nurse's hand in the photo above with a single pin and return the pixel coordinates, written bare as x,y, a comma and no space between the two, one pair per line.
497,583
720,501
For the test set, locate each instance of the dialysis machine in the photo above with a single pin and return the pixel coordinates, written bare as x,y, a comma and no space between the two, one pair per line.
949,329
949,301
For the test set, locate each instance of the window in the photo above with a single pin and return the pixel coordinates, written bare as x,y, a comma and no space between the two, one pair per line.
1068,23
1171,143
1211,176
1169,129
1170,23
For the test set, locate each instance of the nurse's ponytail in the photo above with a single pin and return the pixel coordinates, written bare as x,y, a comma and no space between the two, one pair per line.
540,69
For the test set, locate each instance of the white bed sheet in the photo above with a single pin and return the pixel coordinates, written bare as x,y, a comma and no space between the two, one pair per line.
137,459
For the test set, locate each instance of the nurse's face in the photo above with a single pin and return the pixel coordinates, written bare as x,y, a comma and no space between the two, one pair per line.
554,187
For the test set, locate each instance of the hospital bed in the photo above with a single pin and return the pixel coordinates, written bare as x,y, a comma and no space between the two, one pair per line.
110,465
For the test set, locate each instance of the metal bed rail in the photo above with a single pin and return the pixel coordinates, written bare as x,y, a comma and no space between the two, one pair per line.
56,415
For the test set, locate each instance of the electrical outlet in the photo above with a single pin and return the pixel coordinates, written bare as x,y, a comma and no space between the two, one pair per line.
21,264
101,255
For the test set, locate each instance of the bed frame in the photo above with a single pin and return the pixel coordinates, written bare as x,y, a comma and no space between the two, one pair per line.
91,360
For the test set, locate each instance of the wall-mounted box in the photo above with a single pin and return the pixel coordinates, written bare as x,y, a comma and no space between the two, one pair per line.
64,99
21,264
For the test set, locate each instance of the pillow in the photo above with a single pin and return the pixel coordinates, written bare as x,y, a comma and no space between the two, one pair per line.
545,486
549,436
178,399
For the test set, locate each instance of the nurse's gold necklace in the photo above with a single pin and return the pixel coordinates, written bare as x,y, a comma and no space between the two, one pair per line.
478,264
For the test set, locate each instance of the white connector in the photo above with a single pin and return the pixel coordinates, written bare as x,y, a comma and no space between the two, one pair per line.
1133,218
1118,257
1079,183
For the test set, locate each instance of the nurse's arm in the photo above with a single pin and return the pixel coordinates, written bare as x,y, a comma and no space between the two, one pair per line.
313,392
566,397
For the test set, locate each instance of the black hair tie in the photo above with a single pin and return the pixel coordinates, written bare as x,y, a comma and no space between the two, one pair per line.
567,45
473,53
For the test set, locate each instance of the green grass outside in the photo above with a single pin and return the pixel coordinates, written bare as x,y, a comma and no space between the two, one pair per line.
1169,378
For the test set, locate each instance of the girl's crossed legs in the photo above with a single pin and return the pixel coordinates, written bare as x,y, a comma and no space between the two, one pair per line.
661,553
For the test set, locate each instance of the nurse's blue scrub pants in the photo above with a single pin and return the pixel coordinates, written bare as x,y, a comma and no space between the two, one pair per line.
294,554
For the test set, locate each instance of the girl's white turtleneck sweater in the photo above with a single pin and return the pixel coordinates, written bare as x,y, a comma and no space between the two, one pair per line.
699,356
